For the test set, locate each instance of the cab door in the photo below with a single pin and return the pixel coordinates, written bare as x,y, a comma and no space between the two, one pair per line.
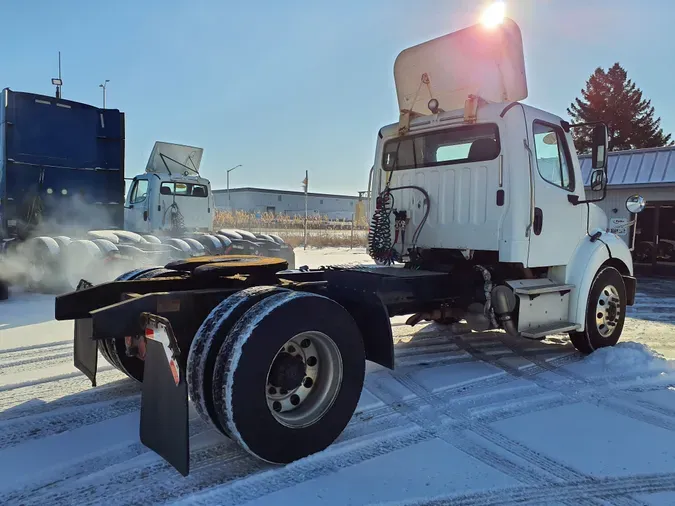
558,225
136,210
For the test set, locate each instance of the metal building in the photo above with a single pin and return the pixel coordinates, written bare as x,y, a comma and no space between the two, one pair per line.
650,173
262,200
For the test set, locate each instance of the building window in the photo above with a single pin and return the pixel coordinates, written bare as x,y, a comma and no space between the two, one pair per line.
279,198
320,201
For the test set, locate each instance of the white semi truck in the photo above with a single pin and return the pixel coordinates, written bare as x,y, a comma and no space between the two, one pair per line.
479,215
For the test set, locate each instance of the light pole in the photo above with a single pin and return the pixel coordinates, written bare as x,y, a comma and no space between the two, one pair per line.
103,86
229,204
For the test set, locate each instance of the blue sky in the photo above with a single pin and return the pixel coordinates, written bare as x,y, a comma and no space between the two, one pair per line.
285,86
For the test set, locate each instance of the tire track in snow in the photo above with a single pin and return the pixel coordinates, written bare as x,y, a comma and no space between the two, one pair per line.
32,347
315,466
88,465
613,488
51,379
33,406
428,420
30,364
268,482
210,466
16,431
488,433
552,468
37,352
58,389
538,468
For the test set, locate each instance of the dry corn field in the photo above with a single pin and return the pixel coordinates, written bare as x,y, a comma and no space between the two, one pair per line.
321,232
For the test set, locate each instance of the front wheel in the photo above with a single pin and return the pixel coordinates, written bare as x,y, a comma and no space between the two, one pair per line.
605,312
289,375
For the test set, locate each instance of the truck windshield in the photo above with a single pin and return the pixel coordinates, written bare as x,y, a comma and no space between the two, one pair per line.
466,144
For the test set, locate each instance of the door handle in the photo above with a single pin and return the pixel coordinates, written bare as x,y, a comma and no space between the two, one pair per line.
145,216
538,220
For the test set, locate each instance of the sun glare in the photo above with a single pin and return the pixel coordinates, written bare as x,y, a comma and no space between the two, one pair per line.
494,14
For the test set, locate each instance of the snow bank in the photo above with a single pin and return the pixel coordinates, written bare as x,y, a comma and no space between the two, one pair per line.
630,356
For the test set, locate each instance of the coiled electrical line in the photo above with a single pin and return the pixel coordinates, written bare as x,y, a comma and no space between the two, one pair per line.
176,217
380,247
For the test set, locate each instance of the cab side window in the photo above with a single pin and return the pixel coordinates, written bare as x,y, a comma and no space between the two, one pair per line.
552,158
139,192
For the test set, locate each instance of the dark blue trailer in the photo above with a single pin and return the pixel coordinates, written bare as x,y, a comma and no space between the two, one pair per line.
61,165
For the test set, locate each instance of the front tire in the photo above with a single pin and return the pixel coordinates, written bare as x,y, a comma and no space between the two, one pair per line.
605,312
289,376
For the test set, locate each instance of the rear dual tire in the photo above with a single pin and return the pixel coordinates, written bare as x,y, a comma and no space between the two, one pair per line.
114,350
282,379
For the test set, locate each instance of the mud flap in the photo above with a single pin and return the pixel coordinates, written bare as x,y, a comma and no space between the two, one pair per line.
164,400
85,349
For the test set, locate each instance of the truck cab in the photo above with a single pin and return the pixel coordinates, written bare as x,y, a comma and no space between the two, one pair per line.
471,173
170,196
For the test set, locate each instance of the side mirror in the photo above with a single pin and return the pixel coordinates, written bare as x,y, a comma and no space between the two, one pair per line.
600,146
635,204
598,180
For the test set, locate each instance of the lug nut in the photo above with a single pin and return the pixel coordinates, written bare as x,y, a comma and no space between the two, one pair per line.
272,390
291,349
276,406
308,383
295,400
305,343
311,361
283,391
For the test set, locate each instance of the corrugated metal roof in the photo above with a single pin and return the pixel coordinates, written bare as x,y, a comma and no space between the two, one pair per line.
650,166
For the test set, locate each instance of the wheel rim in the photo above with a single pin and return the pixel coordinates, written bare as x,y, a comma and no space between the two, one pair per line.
608,311
304,379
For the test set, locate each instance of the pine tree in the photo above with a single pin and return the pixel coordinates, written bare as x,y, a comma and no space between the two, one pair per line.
613,98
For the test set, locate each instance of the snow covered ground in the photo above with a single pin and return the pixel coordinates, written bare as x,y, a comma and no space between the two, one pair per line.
471,418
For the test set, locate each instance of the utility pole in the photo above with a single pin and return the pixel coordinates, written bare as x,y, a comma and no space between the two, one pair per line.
57,81
104,86
229,203
306,183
